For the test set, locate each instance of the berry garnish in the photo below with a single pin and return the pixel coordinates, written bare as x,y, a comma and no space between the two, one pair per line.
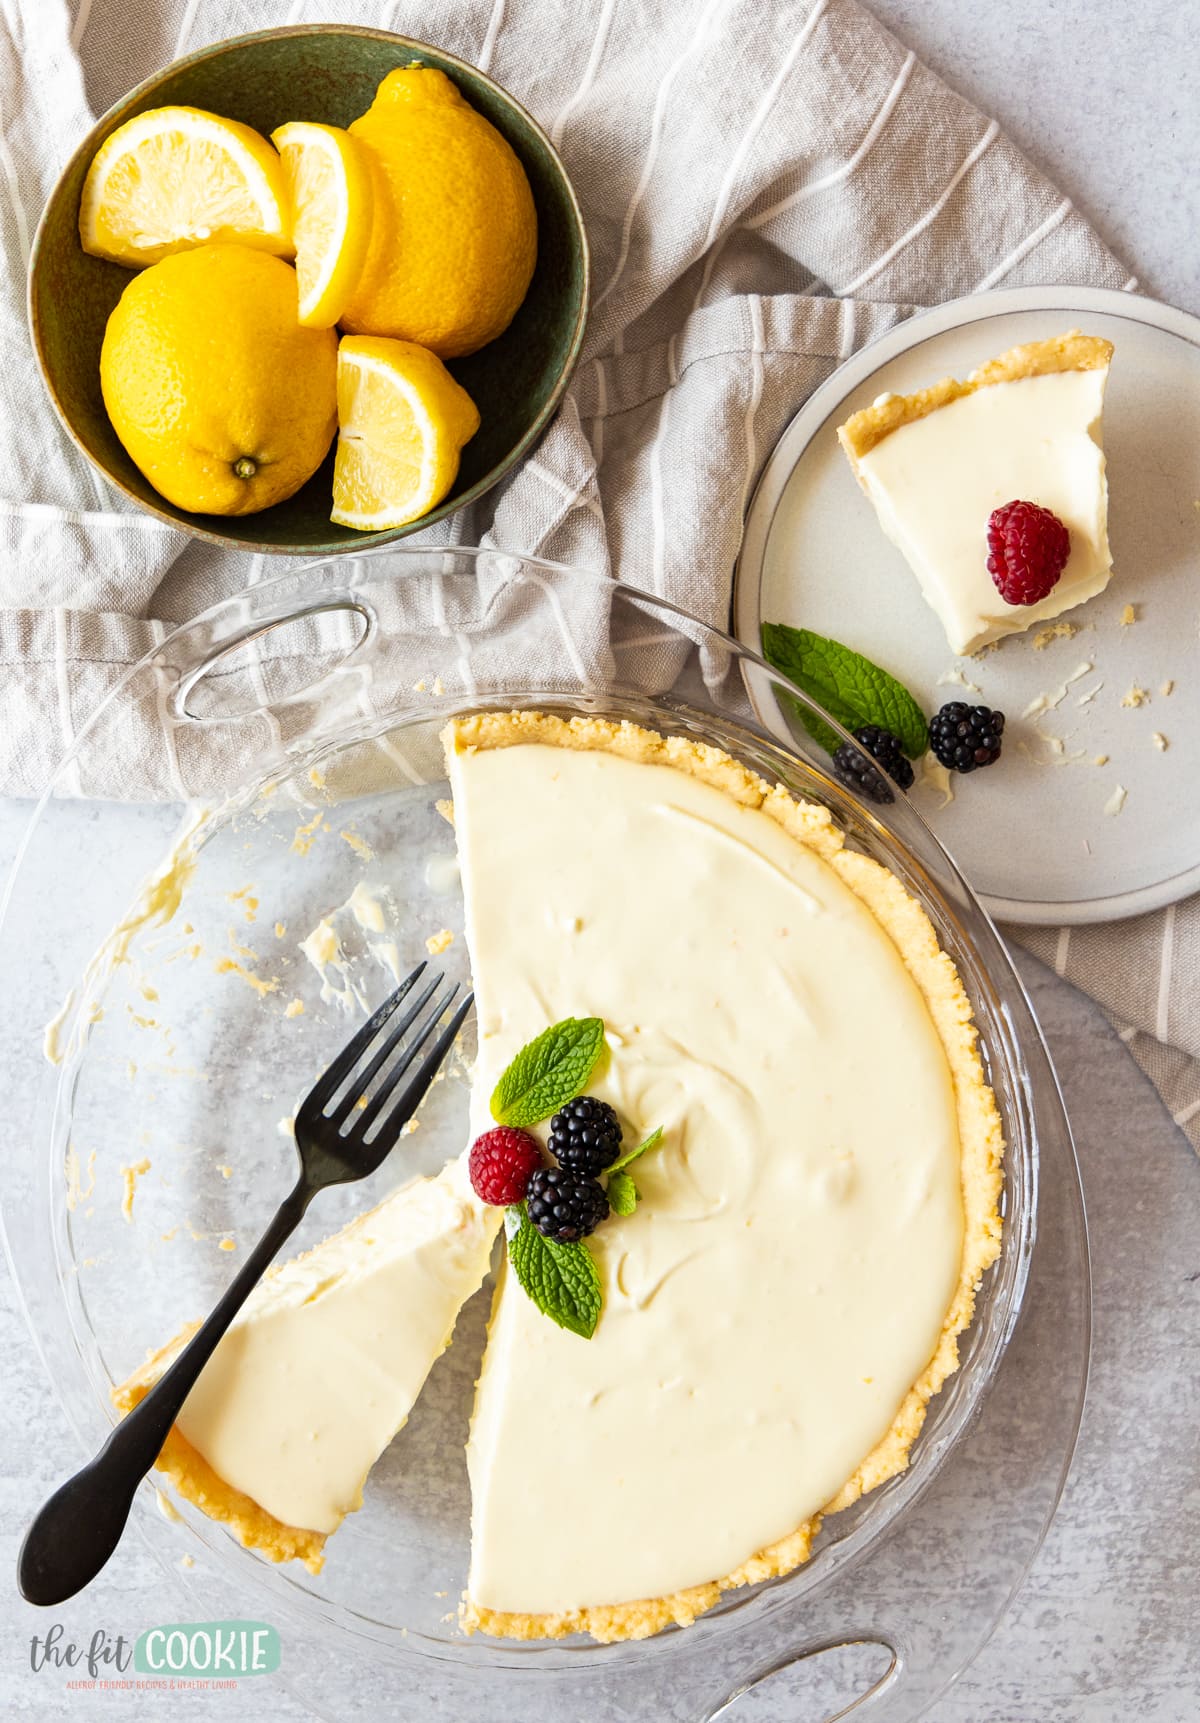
966,737
500,1164
563,1204
851,769
585,1136
1028,549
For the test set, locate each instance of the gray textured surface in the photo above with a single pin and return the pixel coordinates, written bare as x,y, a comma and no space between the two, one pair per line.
1108,1623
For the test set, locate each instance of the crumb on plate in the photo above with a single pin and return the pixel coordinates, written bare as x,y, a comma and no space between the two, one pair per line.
1056,631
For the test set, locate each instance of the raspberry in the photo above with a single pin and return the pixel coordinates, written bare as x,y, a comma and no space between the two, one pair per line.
966,737
585,1136
851,769
563,1205
500,1164
1028,549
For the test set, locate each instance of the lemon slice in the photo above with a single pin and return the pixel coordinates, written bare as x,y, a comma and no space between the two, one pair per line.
329,187
175,178
402,422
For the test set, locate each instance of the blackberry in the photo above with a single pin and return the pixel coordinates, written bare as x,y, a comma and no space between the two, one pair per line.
966,737
851,769
585,1136
564,1205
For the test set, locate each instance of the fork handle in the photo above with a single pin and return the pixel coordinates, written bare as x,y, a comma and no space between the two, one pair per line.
81,1524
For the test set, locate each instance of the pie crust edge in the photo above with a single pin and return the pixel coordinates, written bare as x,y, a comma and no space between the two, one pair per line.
1069,352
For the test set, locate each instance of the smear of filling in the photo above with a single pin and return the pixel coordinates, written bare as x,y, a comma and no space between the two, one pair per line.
936,777
129,1178
323,949
155,906
1055,697
955,678
231,966
77,1191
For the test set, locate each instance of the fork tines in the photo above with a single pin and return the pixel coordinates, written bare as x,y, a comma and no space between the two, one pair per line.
343,1098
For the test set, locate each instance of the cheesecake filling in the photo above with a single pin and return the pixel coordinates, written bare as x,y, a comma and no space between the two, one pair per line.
786,1276
325,1361
935,481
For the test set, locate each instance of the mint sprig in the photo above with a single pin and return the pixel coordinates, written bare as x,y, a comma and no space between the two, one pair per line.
647,1143
548,1072
850,687
561,1279
623,1194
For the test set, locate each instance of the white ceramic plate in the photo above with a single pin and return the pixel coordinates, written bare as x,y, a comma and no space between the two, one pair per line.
1031,833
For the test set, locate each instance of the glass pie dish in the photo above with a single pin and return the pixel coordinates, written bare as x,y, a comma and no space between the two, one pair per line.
304,716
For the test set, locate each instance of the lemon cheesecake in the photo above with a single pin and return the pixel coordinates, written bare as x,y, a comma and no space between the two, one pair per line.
937,464
321,1368
783,1301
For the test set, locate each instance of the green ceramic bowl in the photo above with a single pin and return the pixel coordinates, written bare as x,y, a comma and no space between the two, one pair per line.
325,72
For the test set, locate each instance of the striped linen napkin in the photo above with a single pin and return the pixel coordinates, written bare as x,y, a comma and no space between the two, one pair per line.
766,189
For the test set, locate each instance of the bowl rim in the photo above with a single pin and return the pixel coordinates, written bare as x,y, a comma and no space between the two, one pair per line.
125,108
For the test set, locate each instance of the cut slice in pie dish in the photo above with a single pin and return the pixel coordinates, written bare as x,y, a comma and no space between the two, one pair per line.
787,1295
936,464
322,1367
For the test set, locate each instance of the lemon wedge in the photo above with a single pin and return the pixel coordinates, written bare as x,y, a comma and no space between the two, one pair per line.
402,422
174,178
329,187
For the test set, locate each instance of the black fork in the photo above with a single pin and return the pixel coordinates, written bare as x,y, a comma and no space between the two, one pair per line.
345,1129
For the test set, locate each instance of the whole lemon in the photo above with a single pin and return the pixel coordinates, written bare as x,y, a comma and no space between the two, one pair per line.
219,396
454,234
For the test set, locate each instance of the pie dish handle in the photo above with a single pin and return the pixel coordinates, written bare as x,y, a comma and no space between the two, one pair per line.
890,1698
215,646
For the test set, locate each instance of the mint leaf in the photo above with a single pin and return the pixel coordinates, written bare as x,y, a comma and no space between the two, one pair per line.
651,1142
849,686
622,1193
561,1279
548,1072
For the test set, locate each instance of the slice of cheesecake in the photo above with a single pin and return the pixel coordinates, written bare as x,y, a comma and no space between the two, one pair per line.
322,1367
785,1298
935,464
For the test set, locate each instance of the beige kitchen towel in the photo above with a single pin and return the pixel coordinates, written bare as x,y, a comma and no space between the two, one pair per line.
1145,972
766,189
